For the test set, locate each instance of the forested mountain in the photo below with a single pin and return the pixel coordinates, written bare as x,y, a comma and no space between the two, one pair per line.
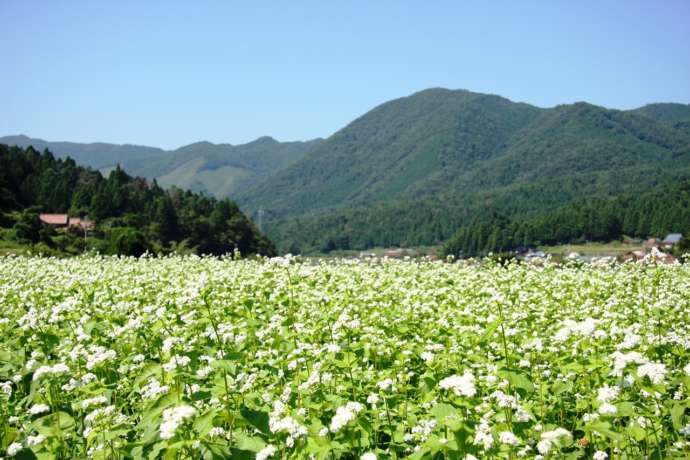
406,147
666,112
663,210
415,169
131,214
219,170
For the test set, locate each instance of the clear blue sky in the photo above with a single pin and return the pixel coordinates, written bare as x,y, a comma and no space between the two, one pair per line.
169,73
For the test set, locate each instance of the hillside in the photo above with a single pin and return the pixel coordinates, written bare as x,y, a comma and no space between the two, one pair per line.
126,215
406,147
219,170
413,169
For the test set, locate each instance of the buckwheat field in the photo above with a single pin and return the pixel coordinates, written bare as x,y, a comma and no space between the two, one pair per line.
207,358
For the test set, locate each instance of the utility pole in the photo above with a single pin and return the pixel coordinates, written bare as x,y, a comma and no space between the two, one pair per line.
260,213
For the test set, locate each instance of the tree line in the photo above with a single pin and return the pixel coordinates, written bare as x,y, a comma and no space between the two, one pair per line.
653,213
132,215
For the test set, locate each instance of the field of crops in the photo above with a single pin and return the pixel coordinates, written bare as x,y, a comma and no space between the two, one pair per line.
203,358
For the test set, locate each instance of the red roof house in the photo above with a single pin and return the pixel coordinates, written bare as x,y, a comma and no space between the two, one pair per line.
56,220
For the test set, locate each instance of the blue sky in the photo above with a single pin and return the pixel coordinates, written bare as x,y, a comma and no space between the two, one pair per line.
170,73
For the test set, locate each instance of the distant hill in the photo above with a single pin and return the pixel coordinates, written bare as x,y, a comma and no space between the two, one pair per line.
219,170
668,112
415,169
412,169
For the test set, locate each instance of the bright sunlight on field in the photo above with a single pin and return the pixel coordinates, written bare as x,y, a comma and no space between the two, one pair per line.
106,357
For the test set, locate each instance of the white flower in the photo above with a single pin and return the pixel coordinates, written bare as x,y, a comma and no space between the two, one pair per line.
154,389
172,418
483,435
38,409
99,355
13,448
551,438
216,432
6,388
686,369
607,409
85,404
344,415
373,398
50,370
427,356
266,452
607,394
385,384
35,440
461,385
368,456
507,437
600,455
621,361
655,371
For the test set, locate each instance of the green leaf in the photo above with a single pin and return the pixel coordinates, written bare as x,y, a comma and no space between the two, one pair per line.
443,410
204,423
258,419
25,454
559,388
490,329
225,365
518,379
47,425
233,356
677,412
604,428
250,443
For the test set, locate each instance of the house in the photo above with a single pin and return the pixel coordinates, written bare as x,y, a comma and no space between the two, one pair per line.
64,221
633,255
651,243
672,239
76,222
393,253
56,220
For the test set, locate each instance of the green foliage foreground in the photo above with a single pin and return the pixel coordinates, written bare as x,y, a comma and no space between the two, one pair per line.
189,357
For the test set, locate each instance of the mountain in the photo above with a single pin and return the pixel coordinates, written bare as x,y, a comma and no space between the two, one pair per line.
666,112
408,146
415,169
220,170
412,169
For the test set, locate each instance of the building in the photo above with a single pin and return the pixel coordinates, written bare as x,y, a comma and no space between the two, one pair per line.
64,221
55,220
651,243
672,239
76,222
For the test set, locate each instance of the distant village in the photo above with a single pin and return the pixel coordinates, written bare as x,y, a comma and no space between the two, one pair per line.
659,248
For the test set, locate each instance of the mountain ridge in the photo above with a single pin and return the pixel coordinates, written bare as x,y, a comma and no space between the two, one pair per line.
231,167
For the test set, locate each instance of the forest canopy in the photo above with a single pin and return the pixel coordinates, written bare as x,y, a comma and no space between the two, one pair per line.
132,215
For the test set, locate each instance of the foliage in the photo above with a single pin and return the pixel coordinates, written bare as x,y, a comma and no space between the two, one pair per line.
146,216
217,169
209,358
414,170
657,212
